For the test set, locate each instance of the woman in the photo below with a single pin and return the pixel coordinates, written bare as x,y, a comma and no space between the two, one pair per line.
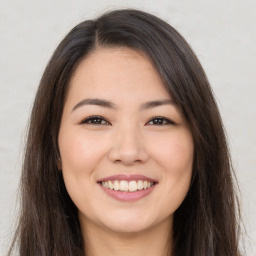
126,152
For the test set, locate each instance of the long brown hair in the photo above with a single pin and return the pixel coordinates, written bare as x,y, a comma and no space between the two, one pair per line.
207,222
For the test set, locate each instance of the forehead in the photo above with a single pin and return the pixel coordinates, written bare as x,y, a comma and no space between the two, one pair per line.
116,73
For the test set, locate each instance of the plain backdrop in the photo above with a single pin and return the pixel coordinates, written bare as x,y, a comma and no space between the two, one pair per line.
221,32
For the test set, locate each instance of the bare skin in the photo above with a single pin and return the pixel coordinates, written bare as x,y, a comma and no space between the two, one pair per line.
119,120
153,242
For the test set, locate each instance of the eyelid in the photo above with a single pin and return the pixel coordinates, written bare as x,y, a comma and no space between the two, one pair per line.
87,119
169,121
106,122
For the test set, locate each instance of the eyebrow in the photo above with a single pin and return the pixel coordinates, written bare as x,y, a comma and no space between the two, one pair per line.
108,104
97,102
156,103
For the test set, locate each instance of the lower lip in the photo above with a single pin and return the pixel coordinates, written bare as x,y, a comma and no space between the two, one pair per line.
128,196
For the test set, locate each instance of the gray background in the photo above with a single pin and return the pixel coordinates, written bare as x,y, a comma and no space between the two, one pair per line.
222,33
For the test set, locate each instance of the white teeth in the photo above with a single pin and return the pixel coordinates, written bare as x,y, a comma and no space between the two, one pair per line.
110,184
140,185
132,186
126,186
116,185
105,184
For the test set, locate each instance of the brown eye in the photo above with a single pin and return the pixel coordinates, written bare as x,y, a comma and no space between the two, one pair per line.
95,120
160,121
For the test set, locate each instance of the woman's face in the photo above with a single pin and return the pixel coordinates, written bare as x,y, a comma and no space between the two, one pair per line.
126,150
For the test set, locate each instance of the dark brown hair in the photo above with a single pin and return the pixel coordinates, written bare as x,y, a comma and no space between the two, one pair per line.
207,222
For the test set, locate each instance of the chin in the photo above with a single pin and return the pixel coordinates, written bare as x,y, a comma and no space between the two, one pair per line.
131,222
128,226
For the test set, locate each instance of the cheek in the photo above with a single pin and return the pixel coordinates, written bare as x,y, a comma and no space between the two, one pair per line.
179,162
175,156
174,153
80,154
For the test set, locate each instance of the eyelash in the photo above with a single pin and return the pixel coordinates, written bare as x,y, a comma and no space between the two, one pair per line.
163,121
99,120
95,120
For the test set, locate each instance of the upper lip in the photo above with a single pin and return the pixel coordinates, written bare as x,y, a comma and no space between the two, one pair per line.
127,177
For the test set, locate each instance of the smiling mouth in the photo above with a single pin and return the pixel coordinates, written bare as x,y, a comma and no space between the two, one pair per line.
127,186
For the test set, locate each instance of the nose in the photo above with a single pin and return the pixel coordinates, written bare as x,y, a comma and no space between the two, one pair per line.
128,147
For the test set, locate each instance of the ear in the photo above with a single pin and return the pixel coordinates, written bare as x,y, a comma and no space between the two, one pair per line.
59,164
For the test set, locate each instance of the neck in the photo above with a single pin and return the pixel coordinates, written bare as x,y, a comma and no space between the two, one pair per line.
155,241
